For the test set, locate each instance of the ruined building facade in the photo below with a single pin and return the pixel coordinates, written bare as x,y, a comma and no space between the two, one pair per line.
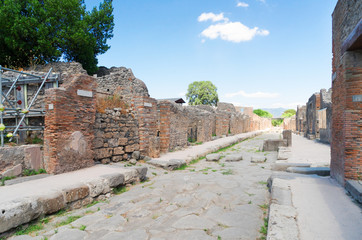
111,117
314,119
346,144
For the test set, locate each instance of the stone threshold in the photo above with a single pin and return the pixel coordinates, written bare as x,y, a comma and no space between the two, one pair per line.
23,202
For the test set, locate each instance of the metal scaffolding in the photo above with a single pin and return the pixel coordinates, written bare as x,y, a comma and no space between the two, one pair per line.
10,106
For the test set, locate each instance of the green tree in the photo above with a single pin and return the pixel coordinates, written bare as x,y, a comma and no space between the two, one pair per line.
202,93
262,113
288,113
42,31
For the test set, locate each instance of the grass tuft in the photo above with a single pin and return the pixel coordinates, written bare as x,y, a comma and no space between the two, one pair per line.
119,190
70,219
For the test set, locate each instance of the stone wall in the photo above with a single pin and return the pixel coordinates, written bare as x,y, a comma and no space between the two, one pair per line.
15,159
313,105
325,118
116,135
300,120
346,142
69,122
122,82
289,123
180,126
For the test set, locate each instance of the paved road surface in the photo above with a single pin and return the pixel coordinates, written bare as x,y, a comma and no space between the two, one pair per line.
208,200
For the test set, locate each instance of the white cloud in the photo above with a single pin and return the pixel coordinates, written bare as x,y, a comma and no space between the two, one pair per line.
233,32
212,16
242,4
252,95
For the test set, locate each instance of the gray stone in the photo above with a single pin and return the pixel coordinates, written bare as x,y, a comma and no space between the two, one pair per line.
258,159
33,157
282,222
234,157
280,192
115,179
287,135
284,166
142,172
147,158
193,222
52,203
136,155
213,157
274,144
191,235
113,223
70,234
169,164
15,213
321,171
138,234
15,171
98,186
355,189
133,161
284,153
76,192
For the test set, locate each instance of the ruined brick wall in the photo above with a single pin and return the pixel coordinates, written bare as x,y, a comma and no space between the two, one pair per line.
172,126
69,121
301,120
244,110
147,116
346,142
313,105
259,123
116,135
289,123
236,123
222,120
325,116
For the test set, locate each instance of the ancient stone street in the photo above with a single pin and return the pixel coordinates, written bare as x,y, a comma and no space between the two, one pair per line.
207,200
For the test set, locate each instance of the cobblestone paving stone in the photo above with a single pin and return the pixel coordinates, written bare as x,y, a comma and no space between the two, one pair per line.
206,200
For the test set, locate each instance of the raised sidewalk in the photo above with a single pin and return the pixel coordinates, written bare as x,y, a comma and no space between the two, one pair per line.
23,202
309,207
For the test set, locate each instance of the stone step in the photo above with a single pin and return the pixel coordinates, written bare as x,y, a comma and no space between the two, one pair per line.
284,166
320,171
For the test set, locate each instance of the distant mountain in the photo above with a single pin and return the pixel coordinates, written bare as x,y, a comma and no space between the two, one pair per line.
276,112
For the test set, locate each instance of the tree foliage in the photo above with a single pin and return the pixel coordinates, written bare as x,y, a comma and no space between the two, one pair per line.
42,31
262,113
202,93
288,113
277,122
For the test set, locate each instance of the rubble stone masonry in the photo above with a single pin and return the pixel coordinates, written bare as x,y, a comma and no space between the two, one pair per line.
346,142
116,136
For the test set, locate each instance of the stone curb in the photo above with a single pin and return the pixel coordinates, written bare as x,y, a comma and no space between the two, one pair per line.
282,222
24,209
200,151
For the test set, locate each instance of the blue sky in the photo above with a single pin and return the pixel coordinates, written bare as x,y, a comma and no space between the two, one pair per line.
260,53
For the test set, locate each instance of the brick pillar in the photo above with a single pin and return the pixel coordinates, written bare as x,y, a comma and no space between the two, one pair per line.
164,125
346,142
69,121
146,109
